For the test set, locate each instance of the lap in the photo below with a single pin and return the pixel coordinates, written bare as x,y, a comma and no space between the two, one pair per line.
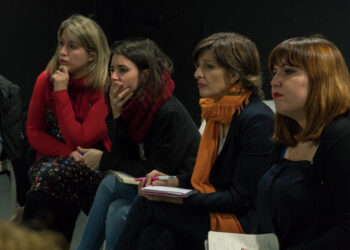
111,186
66,179
183,221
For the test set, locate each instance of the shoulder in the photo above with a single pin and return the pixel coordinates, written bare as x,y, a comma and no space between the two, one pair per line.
43,78
256,110
173,115
338,129
173,108
96,95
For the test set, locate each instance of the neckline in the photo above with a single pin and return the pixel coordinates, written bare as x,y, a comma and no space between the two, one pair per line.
300,161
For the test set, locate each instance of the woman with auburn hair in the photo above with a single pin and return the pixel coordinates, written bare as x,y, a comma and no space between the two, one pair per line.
305,197
67,109
233,154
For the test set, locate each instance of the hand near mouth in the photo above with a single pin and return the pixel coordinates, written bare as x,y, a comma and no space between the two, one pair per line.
118,96
60,78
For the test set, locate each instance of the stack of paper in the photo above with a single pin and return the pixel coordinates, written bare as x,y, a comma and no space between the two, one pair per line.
168,191
233,241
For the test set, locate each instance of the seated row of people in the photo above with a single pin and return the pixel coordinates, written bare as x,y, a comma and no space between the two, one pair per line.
255,172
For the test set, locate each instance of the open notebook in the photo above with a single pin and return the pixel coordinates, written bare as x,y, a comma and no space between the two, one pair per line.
124,177
233,241
168,191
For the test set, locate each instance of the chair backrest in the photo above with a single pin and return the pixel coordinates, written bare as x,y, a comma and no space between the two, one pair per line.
271,104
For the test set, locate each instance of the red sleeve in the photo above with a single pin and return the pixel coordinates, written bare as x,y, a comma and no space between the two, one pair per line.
87,133
36,125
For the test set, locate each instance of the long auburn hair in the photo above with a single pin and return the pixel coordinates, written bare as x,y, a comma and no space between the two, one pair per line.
329,86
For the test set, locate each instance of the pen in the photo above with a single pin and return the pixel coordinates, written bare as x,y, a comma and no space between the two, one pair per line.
160,177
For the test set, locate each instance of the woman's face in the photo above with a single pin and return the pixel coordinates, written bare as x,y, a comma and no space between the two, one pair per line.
212,79
290,88
124,72
73,56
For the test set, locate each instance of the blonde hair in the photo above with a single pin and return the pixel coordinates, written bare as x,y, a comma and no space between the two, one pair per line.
13,237
329,86
89,35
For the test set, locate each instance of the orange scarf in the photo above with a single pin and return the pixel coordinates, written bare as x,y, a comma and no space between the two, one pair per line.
216,113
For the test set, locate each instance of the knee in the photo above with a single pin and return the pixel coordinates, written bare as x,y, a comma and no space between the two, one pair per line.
108,184
118,211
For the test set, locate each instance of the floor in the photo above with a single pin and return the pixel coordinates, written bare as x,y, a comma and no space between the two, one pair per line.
6,210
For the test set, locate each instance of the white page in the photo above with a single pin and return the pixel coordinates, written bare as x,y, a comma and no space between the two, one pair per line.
167,189
232,241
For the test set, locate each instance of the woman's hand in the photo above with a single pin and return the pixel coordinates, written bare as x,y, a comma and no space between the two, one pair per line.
75,155
170,182
60,78
118,96
91,157
158,197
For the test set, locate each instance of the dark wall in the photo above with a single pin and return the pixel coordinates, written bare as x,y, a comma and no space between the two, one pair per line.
28,30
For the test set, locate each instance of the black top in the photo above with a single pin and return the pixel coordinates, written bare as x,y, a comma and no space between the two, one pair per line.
307,204
244,158
171,145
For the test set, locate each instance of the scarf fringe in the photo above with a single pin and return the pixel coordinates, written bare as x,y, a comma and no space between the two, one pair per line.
216,113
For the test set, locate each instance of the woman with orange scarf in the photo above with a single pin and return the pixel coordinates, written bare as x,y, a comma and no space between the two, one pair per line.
233,154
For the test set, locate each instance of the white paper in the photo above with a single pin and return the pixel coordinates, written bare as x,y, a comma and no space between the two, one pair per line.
232,241
165,190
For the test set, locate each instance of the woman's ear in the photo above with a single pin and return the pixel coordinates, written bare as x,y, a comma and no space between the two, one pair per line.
233,79
144,75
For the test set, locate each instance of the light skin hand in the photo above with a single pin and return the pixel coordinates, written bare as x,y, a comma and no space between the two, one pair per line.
75,155
118,96
158,197
91,157
153,173
60,78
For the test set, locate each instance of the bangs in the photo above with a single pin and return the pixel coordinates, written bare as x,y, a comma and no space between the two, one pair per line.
287,53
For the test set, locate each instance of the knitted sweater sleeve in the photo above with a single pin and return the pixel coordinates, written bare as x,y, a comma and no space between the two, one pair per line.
36,125
88,132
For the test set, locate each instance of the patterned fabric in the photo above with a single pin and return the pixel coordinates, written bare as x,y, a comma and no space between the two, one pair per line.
52,124
62,177
65,179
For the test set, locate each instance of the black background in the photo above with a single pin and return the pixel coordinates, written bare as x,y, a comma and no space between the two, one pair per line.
28,30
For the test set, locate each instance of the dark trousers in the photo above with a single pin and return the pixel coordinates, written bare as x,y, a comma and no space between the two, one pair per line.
42,212
160,225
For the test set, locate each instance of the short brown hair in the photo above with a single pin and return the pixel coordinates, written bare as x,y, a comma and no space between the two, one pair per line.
329,94
237,55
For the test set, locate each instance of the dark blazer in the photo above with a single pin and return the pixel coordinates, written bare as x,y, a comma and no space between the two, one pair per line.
171,145
244,158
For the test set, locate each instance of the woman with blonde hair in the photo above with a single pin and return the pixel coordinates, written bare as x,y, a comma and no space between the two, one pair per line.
305,197
234,153
67,109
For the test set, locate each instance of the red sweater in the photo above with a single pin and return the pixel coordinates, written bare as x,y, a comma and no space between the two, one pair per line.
80,114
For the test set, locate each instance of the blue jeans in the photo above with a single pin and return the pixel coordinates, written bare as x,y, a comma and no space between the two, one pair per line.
108,214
